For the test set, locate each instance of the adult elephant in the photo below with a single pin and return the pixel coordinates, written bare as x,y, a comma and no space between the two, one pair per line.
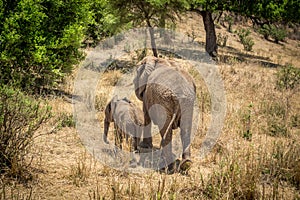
168,95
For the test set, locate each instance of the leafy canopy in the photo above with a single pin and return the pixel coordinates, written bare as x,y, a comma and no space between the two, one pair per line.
40,40
271,10
140,11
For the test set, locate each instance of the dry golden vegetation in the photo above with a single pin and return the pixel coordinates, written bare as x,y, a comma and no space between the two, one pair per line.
257,155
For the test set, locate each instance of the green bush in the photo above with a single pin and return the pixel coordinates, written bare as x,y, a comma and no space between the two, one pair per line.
236,177
277,128
20,117
229,20
40,40
275,114
239,175
246,41
279,35
265,31
283,163
103,23
272,31
280,113
288,78
295,120
246,122
65,120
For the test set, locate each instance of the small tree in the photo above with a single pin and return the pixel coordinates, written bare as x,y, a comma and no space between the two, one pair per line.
270,30
246,41
149,12
104,23
205,8
20,117
259,11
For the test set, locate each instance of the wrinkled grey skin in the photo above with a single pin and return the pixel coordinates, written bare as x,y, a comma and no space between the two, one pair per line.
128,121
159,81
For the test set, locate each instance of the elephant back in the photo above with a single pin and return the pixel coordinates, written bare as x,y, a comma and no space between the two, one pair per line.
128,117
137,115
171,88
175,81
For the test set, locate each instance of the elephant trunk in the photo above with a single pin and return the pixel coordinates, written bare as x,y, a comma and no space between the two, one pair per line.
138,89
106,127
139,92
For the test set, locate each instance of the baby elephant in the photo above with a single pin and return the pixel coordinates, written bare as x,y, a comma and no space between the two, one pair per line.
128,121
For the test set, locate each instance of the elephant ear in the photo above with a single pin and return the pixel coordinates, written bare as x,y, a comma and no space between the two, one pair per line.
144,70
110,109
108,113
113,104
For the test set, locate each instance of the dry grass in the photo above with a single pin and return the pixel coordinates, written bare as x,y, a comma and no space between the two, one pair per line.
248,162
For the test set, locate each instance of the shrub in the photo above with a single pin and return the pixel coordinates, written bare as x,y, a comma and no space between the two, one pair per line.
81,171
246,122
229,20
40,40
222,40
272,31
275,114
20,117
288,82
241,175
101,102
237,177
265,31
65,120
283,163
104,23
277,127
295,120
246,41
288,78
278,34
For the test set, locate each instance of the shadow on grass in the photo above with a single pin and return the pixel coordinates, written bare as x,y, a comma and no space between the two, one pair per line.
234,56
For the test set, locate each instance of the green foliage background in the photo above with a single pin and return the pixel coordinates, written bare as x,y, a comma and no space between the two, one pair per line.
40,40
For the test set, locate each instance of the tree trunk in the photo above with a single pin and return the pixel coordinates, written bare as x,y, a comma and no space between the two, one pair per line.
162,25
163,32
211,46
153,44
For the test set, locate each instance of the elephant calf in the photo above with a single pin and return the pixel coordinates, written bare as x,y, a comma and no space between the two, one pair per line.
128,121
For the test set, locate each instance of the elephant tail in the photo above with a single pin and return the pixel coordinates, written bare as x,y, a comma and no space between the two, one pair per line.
106,127
170,124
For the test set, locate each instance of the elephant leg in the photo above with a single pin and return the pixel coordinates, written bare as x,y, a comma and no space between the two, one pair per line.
186,122
147,138
133,145
185,134
136,138
118,137
166,144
